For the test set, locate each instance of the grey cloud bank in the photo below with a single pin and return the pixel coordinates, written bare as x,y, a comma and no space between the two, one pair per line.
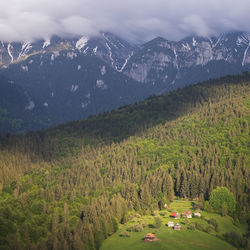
134,20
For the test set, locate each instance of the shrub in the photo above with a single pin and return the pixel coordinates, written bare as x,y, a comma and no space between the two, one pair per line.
236,222
214,223
200,227
115,224
220,237
236,239
224,209
191,226
130,229
153,213
124,218
208,207
198,205
136,228
157,222
125,234
209,228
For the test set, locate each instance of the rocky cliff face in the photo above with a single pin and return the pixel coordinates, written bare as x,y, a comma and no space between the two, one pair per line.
164,63
65,79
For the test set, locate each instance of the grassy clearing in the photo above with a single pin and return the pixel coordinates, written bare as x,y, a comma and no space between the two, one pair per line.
170,239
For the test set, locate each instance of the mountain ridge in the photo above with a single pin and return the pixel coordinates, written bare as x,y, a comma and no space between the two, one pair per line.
60,74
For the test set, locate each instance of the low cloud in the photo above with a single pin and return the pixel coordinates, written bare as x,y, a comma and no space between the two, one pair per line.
135,20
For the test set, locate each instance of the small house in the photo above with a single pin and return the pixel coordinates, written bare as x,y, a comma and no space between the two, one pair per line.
197,214
170,224
150,237
177,226
175,215
187,214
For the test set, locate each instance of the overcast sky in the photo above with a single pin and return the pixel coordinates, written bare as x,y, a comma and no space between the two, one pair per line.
135,20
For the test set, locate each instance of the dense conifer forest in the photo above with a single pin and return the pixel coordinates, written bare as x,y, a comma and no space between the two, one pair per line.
71,186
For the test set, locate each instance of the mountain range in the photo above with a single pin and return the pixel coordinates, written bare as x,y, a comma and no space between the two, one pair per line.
58,80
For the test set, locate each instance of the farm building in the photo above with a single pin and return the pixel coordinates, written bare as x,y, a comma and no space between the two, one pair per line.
177,226
197,214
170,224
175,215
187,214
150,237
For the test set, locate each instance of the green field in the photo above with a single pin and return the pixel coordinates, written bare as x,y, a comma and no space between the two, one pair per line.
170,239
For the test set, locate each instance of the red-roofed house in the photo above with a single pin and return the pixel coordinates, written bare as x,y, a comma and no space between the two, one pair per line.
150,237
177,226
175,215
187,214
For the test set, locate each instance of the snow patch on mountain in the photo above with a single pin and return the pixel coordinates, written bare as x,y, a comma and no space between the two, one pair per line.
245,55
176,59
79,67
103,70
126,62
30,106
100,84
186,47
71,55
54,55
194,42
26,47
108,39
95,50
74,88
46,43
217,42
25,68
45,104
85,51
110,54
84,104
9,52
81,43
244,40
88,95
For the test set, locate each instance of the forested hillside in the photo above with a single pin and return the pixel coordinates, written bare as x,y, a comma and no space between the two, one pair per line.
69,187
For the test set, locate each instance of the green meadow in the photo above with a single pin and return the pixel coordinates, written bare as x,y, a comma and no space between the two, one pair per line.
203,237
